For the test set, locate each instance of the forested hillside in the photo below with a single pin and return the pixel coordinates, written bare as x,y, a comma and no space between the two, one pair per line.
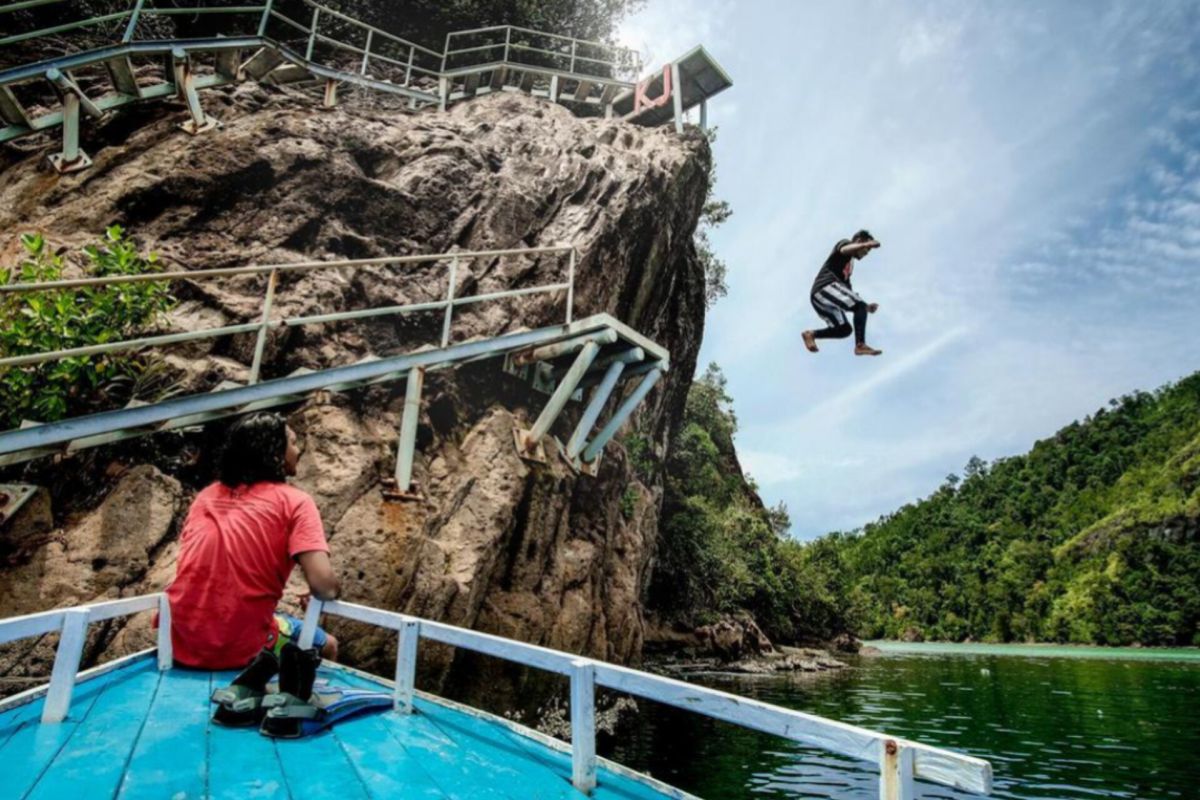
1091,537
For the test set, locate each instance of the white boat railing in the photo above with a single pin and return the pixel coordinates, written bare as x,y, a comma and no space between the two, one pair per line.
71,624
901,762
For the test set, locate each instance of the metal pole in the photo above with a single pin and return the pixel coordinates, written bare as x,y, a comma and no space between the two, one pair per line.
571,286
507,42
412,52
623,413
450,302
595,406
264,326
677,96
573,43
406,665
704,115
896,771
262,23
367,54
131,28
312,35
408,427
70,151
583,725
566,388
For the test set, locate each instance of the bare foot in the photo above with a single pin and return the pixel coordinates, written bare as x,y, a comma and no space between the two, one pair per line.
810,341
865,349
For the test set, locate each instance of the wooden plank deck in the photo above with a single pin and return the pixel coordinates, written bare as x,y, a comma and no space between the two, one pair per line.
137,733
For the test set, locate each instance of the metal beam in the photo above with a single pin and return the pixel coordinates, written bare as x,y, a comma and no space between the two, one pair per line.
595,406
408,428
185,84
596,446
554,406
63,432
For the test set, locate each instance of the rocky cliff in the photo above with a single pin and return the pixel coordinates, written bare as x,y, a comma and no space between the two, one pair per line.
530,551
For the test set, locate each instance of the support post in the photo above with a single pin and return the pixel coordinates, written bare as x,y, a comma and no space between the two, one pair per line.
131,28
312,618
166,655
595,406
367,54
583,725
896,779
406,665
450,302
553,88
66,665
185,85
312,34
704,115
330,99
677,97
264,326
74,101
408,428
443,91
571,286
266,17
573,45
530,439
596,446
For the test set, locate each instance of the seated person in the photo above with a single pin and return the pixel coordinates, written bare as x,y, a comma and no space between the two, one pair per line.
241,538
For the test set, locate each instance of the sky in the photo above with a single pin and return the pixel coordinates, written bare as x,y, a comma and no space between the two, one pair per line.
1032,170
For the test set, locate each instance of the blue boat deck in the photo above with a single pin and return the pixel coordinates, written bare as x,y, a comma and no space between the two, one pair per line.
136,732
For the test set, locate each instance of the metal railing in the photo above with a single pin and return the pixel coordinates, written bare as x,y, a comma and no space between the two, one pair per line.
522,47
266,322
901,762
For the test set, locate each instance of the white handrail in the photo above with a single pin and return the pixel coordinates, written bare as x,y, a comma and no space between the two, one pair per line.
900,761
72,624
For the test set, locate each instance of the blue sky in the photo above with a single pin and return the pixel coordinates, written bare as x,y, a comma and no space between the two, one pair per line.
1033,171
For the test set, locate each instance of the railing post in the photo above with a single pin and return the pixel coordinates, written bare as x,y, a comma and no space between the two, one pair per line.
507,42
264,326
571,286
408,427
312,618
166,656
367,53
896,771
573,44
131,28
312,34
583,725
412,53
406,665
450,301
66,665
266,17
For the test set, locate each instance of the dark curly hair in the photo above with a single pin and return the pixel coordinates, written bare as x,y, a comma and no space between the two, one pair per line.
255,449
862,236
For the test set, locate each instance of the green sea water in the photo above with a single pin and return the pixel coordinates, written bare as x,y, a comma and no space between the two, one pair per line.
1057,724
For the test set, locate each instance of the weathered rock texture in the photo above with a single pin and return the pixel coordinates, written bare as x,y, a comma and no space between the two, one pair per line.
534,552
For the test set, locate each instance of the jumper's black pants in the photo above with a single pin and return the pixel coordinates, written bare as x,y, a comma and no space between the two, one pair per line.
831,303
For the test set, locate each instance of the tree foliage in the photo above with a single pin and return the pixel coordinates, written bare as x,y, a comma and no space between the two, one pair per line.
67,318
722,551
1091,537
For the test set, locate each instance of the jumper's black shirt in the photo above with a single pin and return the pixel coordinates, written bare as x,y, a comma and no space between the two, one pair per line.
835,268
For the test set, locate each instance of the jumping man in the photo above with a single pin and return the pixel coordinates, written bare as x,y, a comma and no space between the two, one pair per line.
832,296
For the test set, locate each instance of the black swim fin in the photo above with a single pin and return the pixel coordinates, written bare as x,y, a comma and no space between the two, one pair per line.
239,705
287,709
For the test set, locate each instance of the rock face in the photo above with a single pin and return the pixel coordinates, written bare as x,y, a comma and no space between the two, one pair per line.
530,551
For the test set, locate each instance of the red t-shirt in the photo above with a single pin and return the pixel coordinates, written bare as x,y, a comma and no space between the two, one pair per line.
236,552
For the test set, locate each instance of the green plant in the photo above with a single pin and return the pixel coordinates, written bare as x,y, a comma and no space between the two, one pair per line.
75,317
641,456
629,502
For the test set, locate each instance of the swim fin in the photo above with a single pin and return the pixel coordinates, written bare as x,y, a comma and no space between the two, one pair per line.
290,717
239,705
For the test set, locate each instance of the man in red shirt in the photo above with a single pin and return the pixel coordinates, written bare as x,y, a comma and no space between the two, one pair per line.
242,536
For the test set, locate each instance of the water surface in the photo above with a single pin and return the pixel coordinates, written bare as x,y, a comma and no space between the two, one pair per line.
1056,726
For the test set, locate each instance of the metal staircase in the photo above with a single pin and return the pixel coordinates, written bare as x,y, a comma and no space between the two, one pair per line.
117,59
597,353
